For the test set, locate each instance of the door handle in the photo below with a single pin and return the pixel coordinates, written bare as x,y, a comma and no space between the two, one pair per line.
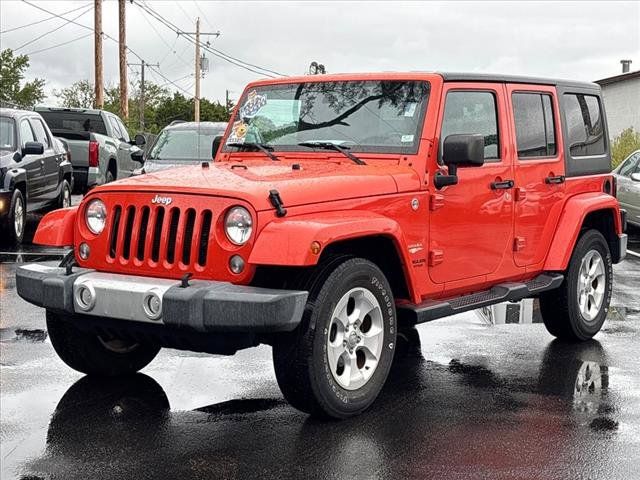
554,180
504,185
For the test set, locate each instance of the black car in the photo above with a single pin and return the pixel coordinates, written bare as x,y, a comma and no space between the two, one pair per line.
35,173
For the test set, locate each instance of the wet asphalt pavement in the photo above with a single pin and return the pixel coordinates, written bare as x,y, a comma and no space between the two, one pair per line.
466,400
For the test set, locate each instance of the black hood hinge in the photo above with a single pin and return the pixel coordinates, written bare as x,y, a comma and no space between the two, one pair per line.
276,201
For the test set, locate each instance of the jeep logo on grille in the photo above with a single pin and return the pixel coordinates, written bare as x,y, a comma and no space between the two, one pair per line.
162,200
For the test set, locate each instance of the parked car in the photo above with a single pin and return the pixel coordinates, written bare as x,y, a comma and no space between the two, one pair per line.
35,174
341,208
98,141
628,177
182,143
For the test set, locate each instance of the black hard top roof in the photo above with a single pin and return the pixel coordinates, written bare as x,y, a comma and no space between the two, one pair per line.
488,77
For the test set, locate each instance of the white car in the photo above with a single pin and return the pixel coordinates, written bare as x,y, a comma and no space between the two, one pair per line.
628,176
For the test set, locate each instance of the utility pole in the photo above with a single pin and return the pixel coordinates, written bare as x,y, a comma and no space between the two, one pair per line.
122,37
197,33
226,101
142,65
97,37
196,100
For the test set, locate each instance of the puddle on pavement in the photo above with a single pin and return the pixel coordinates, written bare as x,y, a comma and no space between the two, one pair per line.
22,334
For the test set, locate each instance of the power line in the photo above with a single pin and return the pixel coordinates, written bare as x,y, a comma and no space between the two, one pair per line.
170,81
203,14
54,29
229,58
43,20
59,44
144,15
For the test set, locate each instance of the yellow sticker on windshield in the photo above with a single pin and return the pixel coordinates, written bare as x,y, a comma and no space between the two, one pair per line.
238,132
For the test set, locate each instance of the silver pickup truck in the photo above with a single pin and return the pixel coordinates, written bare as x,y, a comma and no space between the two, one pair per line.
98,142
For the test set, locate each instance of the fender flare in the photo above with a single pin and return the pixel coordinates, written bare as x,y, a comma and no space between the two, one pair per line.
287,241
574,213
13,177
56,228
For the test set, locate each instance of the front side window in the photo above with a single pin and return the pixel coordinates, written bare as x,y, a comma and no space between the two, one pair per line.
585,127
535,131
630,166
382,116
181,145
472,112
26,133
41,133
116,128
123,130
7,134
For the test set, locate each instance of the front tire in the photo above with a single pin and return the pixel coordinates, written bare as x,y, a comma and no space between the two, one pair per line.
95,355
338,359
17,219
577,309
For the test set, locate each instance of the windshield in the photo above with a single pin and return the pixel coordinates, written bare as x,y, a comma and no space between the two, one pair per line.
366,116
7,134
184,145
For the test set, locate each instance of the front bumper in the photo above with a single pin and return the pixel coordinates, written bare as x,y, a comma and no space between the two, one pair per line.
5,203
202,306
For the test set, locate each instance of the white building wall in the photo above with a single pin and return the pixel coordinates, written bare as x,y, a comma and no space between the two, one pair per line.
622,104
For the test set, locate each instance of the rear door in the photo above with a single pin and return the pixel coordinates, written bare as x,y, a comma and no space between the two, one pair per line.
50,160
539,170
471,223
125,163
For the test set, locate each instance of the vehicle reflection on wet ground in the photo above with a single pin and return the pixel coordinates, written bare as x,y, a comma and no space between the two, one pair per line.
464,400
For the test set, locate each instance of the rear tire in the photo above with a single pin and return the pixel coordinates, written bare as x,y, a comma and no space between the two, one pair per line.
64,201
94,355
337,360
577,309
108,177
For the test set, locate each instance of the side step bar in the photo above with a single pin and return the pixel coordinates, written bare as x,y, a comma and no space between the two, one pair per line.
504,292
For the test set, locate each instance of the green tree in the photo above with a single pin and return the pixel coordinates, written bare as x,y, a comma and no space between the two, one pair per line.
12,73
80,94
625,143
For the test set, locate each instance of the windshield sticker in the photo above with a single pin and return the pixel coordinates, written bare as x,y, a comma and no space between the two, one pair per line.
406,138
410,109
238,132
253,105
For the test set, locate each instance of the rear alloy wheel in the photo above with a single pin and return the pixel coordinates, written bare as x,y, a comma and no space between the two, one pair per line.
337,360
577,309
65,195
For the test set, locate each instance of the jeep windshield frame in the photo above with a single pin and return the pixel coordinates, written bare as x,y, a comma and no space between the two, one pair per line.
366,116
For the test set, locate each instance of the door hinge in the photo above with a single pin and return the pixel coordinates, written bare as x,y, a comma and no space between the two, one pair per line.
520,194
436,257
519,243
436,201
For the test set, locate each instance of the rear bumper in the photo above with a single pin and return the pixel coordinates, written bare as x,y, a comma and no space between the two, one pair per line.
85,177
203,306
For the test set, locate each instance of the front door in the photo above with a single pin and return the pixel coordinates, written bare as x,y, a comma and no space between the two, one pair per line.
539,173
50,161
34,166
629,188
472,222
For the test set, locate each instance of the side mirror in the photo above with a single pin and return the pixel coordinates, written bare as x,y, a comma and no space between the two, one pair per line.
215,145
635,177
460,150
139,139
137,155
32,148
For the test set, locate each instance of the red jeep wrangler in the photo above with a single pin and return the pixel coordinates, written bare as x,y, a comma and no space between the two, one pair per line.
338,209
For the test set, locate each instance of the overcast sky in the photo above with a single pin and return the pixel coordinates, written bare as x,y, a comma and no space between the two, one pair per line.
576,40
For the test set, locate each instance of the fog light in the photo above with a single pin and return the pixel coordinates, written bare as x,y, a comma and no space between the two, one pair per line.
85,297
236,264
84,251
152,305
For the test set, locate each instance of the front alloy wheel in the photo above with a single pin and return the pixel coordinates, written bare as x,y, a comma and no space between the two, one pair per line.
337,360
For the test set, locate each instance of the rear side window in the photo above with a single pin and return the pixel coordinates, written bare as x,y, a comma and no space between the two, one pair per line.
535,129
585,128
26,134
60,122
472,112
41,133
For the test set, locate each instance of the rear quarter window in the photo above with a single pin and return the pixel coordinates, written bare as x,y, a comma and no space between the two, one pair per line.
585,126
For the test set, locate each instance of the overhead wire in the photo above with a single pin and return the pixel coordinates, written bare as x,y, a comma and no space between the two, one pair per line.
59,44
43,20
87,8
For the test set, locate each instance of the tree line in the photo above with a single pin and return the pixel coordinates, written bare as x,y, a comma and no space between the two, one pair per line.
161,106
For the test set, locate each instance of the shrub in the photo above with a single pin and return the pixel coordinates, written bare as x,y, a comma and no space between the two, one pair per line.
625,143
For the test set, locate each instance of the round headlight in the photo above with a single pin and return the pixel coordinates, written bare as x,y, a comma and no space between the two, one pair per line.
96,216
238,225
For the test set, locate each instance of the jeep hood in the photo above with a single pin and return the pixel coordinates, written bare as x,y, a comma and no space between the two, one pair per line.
312,182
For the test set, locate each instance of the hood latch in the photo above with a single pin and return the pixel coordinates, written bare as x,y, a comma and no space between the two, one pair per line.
276,201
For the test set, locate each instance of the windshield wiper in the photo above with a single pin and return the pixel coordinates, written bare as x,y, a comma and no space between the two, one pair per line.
333,146
266,149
